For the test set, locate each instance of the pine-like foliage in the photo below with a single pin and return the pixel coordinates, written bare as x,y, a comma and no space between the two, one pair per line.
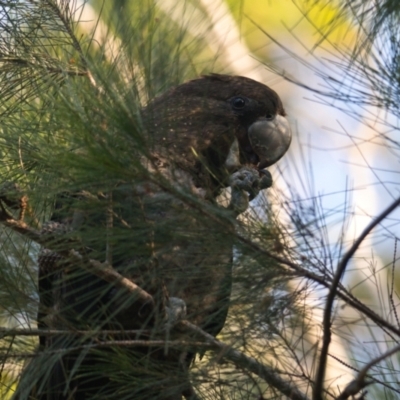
75,152
74,77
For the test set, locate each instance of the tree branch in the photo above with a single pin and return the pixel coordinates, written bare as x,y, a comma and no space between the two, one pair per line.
225,221
4,332
266,373
103,270
107,273
319,380
360,382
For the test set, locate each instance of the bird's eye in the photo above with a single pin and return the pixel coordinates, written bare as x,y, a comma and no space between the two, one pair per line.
269,117
238,102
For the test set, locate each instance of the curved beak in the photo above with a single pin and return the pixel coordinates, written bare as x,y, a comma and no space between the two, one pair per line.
270,139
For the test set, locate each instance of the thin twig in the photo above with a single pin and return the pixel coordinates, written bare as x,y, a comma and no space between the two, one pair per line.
103,270
320,375
268,374
97,267
109,227
4,332
379,381
360,382
392,285
209,342
106,272
177,344
325,282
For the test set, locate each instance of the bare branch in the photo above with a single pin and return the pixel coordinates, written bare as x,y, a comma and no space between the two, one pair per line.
319,380
360,381
179,344
107,273
392,285
103,270
4,332
268,374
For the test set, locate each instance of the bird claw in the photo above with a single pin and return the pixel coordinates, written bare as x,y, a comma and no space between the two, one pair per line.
265,180
246,185
175,311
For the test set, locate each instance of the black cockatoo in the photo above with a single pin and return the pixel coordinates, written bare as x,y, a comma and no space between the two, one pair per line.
204,135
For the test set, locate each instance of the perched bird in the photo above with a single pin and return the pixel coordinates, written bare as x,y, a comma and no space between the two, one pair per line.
201,136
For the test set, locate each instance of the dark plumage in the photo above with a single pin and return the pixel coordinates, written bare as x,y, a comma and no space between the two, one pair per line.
198,134
203,115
